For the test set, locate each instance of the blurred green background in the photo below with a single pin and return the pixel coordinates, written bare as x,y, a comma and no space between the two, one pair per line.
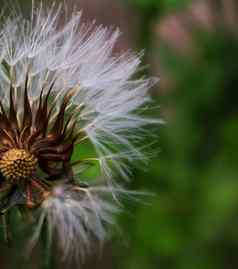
192,221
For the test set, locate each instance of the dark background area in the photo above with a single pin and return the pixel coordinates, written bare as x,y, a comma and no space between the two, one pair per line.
191,222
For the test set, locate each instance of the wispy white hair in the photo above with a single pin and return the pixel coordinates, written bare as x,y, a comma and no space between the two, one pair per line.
108,98
77,218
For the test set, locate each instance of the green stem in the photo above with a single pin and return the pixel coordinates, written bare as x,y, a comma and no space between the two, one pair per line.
48,262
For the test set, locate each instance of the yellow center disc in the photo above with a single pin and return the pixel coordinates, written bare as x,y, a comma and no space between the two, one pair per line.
17,164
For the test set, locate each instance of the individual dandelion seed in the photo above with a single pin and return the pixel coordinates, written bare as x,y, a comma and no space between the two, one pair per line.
60,85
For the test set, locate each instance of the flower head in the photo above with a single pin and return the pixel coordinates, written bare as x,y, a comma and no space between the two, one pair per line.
61,85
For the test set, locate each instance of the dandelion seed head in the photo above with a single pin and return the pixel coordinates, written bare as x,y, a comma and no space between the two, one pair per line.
62,84
80,56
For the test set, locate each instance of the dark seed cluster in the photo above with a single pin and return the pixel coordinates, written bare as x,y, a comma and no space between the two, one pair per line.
17,164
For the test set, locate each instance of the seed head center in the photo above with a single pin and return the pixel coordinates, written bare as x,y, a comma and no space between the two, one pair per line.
17,164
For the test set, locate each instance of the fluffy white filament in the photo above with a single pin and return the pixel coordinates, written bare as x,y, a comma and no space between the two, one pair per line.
77,218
